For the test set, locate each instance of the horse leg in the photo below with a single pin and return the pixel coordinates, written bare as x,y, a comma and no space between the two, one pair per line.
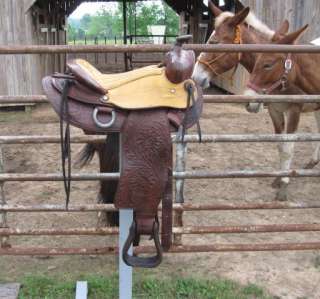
286,150
316,154
109,162
278,121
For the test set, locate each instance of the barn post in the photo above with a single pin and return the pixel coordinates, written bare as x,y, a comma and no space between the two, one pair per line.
125,33
195,20
4,241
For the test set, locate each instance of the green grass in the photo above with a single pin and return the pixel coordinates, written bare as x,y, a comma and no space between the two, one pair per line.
104,288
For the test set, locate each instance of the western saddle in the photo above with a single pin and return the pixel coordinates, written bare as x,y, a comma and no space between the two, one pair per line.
145,106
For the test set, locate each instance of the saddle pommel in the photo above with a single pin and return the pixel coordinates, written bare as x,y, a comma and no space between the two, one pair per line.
182,39
179,62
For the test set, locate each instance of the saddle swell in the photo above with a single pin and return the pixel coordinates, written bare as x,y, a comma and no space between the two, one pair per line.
95,103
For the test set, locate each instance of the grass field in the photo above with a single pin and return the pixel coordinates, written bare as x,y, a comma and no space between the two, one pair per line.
104,288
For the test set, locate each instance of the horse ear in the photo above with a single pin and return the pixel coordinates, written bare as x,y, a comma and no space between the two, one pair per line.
215,9
239,17
292,37
282,31
239,6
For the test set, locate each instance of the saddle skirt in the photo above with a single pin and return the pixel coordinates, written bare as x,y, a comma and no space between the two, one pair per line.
144,88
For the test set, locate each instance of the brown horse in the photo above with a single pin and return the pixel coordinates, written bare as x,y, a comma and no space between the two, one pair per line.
285,73
245,28
240,28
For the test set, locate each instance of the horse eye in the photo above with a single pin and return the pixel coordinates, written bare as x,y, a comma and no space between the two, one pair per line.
268,66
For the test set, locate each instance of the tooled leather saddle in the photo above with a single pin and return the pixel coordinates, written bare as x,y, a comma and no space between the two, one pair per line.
145,106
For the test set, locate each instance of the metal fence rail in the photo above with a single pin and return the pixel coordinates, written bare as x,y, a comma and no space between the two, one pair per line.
47,139
186,230
186,207
33,251
208,99
187,175
64,49
181,175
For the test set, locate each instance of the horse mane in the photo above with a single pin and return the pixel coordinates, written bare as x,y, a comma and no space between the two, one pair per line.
251,20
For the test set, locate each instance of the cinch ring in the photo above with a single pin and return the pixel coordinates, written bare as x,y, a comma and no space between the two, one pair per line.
100,124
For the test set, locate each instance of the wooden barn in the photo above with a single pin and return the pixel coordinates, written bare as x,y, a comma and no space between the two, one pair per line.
43,22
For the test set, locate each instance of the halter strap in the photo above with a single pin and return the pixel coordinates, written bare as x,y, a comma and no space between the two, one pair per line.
209,64
288,64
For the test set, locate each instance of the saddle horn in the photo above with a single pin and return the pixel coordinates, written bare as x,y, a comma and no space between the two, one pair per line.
179,63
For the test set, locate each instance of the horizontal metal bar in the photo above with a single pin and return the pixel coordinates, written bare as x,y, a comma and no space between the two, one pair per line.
247,229
195,175
188,230
58,208
267,99
40,139
10,177
177,207
209,99
147,48
60,232
47,139
249,138
245,174
34,251
248,206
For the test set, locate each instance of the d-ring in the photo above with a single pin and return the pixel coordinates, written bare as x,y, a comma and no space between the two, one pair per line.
100,124
143,262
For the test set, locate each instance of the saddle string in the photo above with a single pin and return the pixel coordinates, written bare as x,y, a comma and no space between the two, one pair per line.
191,99
65,140
191,92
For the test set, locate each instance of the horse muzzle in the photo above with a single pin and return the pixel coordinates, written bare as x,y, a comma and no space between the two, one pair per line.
252,107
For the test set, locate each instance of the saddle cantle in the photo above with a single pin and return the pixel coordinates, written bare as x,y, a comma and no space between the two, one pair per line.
145,106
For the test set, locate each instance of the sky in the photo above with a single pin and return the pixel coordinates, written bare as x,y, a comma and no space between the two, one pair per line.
92,8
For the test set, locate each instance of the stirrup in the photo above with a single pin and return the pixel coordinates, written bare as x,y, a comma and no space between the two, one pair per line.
143,262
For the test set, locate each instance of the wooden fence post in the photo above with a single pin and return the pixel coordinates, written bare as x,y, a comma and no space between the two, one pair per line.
4,241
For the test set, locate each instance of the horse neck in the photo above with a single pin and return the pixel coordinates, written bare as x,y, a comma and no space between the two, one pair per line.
251,36
306,72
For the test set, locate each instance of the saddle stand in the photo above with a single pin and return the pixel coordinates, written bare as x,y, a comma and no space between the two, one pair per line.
145,106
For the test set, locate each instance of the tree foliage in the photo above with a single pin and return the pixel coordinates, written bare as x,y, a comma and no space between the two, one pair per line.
108,23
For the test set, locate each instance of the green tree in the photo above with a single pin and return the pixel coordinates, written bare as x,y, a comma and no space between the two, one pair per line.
171,20
110,24
72,32
101,24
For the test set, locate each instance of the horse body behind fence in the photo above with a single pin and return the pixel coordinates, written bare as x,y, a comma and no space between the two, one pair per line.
244,28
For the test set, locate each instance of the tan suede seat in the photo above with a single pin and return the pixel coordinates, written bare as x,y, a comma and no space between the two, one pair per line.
144,88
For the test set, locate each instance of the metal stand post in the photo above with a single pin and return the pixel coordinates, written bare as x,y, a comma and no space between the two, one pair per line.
125,272
125,221
181,153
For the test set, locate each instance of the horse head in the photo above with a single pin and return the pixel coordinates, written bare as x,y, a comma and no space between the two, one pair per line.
273,72
227,31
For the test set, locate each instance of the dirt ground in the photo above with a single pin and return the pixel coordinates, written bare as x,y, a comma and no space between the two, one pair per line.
284,274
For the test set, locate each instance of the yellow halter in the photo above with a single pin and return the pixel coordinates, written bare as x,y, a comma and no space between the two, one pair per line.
209,64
